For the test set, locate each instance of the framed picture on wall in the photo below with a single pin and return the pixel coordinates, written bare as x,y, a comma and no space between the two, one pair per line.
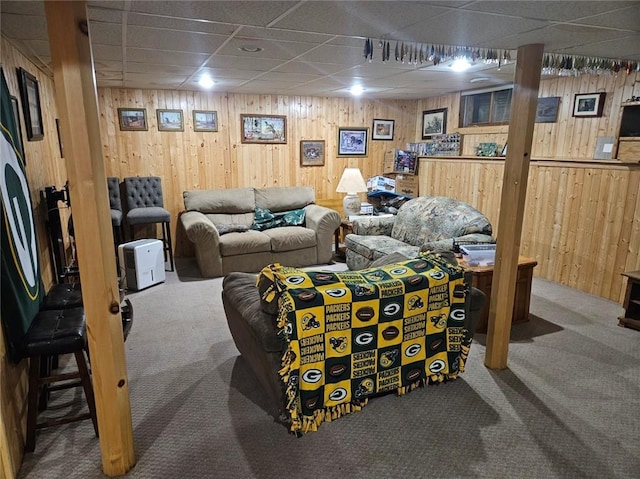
434,122
170,120
547,109
352,141
263,128
132,119
312,153
30,95
16,115
205,120
382,130
588,104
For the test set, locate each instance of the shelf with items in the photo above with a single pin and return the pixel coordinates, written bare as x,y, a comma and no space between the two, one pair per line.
439,145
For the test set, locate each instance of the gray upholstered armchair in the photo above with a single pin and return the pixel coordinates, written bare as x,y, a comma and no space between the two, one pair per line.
427,223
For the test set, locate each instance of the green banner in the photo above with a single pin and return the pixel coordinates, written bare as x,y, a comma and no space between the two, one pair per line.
22,288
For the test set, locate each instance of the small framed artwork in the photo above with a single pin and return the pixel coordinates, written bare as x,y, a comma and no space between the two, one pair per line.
16,115
170,120
263,128
352,141
382,130
312,153
132,119
588,104
434,122
205,120
547,109
30,94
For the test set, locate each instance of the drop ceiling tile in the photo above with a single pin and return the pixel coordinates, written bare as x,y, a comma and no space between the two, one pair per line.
249,12
229,74
22,7
153,81
335,54
105,33
627,47
175,41
180,24
289,77
171,70
159,57
309,67
281,50
627,19
287,35
100,14
237,62
552,11
107,53
23,27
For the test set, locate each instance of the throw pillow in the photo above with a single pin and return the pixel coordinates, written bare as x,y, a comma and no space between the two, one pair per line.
294,217
263,219
223,229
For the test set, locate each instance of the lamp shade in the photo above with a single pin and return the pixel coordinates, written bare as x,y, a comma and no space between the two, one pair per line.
351,181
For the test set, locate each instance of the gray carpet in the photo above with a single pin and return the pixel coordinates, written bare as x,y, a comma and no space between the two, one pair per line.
567,407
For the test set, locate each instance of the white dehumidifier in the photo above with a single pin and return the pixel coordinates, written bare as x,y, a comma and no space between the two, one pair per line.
141,263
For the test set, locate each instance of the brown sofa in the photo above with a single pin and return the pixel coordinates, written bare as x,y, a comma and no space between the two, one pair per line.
255,333
219,223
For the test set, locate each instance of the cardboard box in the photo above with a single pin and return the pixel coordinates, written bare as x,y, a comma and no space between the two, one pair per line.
389,160
407,185
381,183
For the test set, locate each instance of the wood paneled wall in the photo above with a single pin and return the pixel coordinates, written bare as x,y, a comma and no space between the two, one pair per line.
200,160
569,137
45,167
581,221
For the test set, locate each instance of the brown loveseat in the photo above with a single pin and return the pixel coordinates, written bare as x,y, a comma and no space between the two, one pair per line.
220,223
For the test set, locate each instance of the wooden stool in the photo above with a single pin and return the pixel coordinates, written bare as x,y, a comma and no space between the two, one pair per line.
55,332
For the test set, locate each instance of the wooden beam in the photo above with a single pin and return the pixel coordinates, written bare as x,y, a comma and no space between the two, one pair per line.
514,193
76,97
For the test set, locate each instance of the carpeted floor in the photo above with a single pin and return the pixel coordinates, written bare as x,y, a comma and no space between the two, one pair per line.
568,406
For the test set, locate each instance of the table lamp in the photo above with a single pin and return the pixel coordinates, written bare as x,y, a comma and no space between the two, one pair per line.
351,183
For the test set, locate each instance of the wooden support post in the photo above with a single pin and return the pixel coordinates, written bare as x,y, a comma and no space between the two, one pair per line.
514,192
76,98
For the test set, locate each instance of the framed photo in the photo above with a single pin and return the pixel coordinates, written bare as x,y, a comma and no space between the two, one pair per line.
405,162
547,109
132,119
352,141
16,115
263,128
30,94
205,120
170,120
312,153
588,104
382,130
434,122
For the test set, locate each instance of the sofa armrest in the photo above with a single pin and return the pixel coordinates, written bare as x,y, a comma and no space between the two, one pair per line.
381,226
204,235
447,244
324,221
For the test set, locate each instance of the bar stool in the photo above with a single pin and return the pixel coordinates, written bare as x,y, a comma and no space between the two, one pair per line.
52,333
145,206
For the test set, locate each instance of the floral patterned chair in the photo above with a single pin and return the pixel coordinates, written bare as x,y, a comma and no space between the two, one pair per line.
426,223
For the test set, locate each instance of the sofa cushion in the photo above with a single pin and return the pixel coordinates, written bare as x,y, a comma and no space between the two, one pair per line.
374,247
291,238
223,228
286,198
241,243
232,200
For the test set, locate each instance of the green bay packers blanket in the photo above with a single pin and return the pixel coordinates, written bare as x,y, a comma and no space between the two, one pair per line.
352,335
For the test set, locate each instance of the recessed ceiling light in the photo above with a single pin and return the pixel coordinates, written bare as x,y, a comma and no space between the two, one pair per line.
460,65
356,90
206,81
250,49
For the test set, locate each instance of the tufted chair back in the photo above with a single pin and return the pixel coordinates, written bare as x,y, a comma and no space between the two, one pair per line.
113,185
143,192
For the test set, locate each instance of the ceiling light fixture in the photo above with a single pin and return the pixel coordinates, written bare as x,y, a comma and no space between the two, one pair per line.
206,81
250,49
460,65
356,90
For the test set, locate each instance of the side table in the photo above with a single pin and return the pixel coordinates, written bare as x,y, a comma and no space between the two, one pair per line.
631,305
482,279
345,228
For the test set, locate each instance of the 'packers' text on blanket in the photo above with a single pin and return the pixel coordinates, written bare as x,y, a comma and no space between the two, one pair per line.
352,335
